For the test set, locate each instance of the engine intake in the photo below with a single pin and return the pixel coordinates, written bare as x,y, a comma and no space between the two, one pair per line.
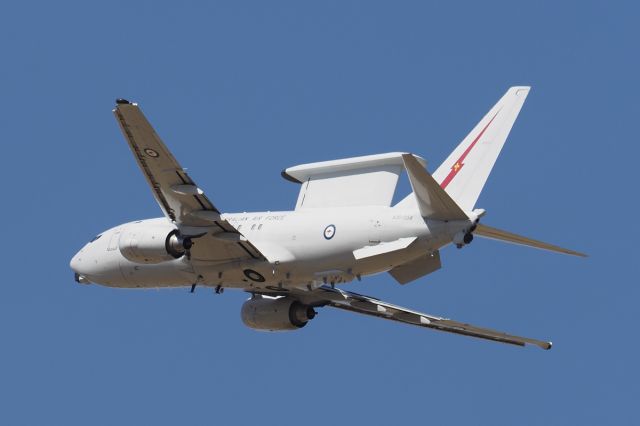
142,243
275,314
177,245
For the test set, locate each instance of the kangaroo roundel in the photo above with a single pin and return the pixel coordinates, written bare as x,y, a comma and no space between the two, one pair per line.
329,232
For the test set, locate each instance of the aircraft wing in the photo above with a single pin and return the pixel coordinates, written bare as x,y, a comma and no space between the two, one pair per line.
181,200
354,302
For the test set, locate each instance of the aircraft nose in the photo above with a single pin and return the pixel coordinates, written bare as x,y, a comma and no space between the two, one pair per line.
77,267
74,264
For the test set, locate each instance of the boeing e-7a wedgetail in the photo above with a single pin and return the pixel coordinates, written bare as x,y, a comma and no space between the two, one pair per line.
343,227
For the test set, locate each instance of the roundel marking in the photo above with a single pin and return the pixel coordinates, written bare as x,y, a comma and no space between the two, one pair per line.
151,153
329,232
253,275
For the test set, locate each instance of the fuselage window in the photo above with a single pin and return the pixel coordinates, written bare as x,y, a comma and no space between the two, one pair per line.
253,226
259,227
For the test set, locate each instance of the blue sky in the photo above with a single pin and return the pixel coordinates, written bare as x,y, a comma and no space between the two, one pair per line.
241,90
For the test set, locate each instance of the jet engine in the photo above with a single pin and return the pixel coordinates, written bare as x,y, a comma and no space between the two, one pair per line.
276,314
145,243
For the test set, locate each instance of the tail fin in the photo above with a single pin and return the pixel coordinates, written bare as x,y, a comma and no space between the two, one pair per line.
464,173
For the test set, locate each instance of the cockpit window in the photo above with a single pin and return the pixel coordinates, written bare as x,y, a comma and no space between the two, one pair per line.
95,238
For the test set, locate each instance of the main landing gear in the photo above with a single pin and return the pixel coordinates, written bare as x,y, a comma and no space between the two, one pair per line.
219,289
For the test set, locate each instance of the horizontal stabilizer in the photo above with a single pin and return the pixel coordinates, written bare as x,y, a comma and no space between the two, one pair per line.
416,268
433,201
500,235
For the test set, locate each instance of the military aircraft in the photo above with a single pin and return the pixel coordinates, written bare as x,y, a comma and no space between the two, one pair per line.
343,228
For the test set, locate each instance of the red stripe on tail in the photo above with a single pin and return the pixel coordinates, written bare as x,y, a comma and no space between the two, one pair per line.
459,164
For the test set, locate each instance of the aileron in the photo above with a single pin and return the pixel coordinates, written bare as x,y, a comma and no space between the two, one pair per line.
366,305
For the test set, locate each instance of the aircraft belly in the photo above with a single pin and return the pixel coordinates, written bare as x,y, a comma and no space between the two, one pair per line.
302,249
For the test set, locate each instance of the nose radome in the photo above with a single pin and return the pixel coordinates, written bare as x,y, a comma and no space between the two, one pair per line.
76,266
76,262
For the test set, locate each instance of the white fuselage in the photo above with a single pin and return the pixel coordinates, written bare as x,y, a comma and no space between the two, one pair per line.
304,248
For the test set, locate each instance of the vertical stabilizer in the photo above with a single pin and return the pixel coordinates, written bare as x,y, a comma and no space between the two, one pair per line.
464,173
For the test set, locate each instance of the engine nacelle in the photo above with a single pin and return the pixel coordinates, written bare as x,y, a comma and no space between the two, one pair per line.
284,313
152,243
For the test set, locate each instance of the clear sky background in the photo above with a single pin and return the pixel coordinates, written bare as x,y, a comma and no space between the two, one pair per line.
241,90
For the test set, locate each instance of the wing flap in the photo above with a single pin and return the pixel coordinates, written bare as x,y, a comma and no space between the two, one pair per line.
354,302
173,189
180,199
